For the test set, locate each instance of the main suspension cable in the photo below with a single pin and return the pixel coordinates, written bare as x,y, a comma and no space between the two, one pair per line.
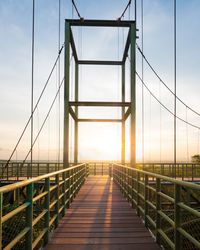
179,118
36,105
154,71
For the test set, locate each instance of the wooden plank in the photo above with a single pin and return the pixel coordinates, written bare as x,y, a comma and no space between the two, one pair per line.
101,235
99,230
149,246
101,225
101,219
90,240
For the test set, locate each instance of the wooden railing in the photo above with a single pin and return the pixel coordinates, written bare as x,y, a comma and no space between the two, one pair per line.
170,217
182,171
19,171
42,204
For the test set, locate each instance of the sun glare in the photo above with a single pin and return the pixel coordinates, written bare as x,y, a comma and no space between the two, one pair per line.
100,141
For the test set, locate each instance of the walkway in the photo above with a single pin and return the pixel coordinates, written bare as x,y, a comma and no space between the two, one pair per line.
101,219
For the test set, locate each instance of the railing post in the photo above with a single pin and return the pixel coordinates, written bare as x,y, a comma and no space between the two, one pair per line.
110,170
123,171
38,168
85,171
132,186
1,215
18,165
182,172
21,166
118,175
57,200
123,180
28,171
46,205
12,169
64,193
70,186
68,189
73,182
29,217
177,218
192,172
7,170
76,177
88,169
138,190
128,183
146,197
47,167
158,207
178,173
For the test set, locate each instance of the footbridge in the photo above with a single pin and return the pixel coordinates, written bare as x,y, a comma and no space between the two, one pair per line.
115,208
101,206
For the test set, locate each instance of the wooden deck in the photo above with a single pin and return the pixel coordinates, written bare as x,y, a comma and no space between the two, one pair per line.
101,219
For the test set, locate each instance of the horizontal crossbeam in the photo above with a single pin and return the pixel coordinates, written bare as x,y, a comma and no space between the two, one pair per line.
93,62
100,23
101,104
99,120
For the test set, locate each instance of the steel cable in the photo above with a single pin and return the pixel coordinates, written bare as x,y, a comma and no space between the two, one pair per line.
179,118
44,121
154,71
122,15
77,11
36,105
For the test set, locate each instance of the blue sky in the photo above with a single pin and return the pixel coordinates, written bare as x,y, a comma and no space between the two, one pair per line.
15,75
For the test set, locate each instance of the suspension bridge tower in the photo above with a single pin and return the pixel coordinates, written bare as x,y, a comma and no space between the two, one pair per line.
127,107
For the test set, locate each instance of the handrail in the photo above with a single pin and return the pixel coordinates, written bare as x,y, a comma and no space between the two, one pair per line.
163,177
145,191
52,201
18,171
20,184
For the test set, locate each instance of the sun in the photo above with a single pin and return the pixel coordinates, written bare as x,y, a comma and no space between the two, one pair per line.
100,141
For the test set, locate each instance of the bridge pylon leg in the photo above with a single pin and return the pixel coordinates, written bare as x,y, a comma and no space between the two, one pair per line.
133,95
66,96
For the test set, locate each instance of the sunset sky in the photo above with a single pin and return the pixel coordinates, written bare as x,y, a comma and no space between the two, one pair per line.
99,141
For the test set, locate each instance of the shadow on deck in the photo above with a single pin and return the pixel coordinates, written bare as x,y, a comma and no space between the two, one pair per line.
100,218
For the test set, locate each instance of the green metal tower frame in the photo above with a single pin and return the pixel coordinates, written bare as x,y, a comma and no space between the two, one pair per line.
131,106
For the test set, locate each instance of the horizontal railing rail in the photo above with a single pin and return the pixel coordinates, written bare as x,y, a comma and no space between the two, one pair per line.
20,170
167,212
182,171
41,203
17,171
100,168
